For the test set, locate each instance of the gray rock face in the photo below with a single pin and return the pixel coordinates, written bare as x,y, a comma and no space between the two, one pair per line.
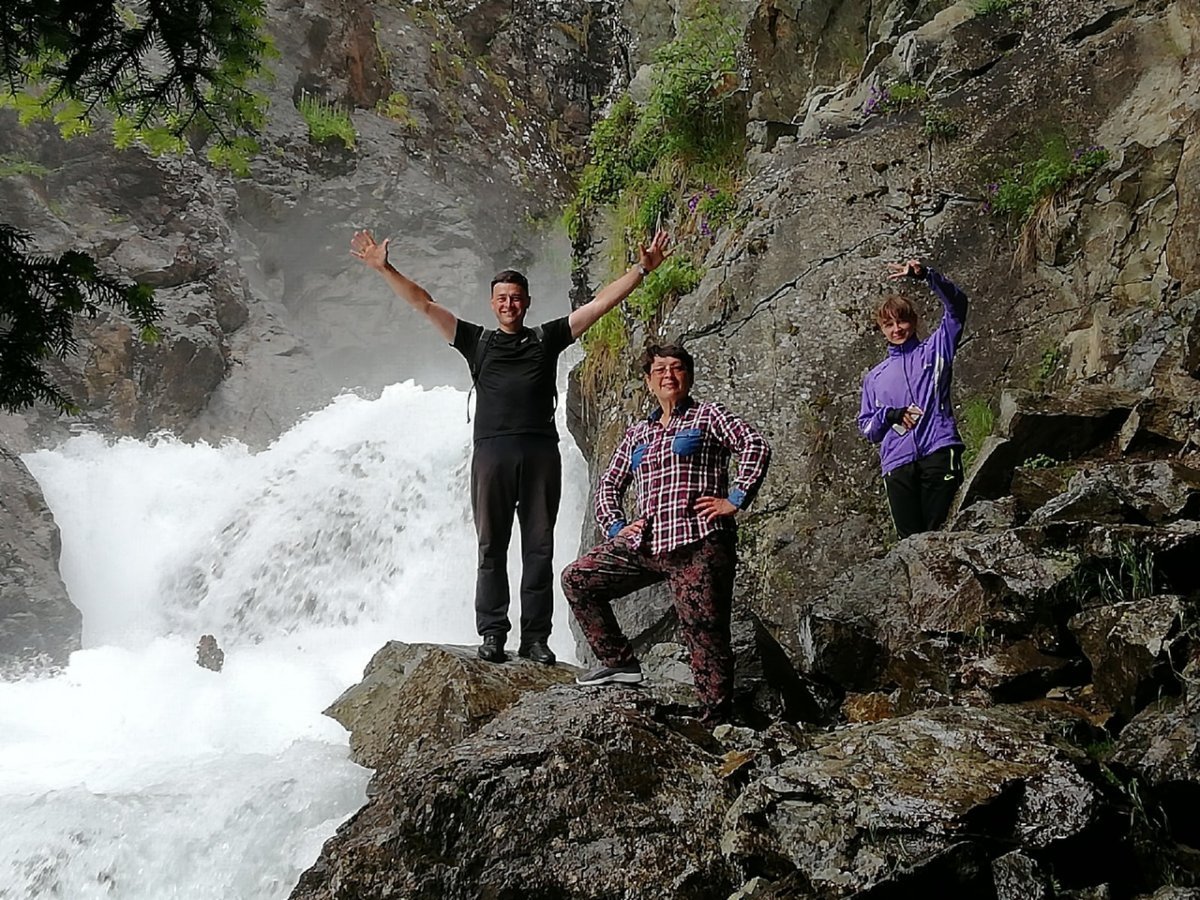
1135,649
569,793
464,693
38,623
1161,746
884,802
1061,428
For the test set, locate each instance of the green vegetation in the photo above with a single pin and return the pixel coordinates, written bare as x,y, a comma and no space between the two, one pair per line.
1016,9
12,165
939,125
905,93
975,425
159,71
1021,189
677,158
396,107
1130,573
674,278
42,298
680,141
1040,461
895,97
326,121
1050,360
1030,192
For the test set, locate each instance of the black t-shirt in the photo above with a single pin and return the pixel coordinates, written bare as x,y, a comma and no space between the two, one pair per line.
515,384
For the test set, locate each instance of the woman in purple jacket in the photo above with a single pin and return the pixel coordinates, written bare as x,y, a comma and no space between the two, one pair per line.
906,405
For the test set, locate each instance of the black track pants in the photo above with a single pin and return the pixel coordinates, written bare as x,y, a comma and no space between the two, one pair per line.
920,492
521,473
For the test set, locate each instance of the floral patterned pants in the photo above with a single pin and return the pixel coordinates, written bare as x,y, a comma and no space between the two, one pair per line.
700,576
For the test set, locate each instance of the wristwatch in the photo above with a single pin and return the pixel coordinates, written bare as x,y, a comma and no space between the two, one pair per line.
643,270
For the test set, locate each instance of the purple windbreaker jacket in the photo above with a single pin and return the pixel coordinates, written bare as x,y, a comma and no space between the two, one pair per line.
916,372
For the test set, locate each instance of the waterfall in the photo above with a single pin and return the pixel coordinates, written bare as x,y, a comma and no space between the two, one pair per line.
134,773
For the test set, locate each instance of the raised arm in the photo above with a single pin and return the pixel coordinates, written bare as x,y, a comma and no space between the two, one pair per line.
608,297
954,301
954,306
363,246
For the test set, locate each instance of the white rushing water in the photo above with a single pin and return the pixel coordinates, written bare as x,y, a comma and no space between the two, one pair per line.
137,775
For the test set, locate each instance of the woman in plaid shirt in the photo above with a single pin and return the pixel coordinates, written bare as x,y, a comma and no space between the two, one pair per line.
684,533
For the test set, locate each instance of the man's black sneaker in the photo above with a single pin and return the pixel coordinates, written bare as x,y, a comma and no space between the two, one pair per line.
539,652
630,674
492,648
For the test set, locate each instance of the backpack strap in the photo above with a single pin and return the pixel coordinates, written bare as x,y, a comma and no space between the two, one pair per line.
476,364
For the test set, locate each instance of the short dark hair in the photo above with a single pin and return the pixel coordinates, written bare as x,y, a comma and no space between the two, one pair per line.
894,306
511,276
673,351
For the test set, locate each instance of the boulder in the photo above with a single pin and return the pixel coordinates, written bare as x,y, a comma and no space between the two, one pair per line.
1021,671
38,623
1019,877
1140,493
1061,427
911,618
1161,746
569,793
1135,649
426,697
919,803
1032,487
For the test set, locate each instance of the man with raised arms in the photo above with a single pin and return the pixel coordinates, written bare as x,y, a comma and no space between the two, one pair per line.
515,465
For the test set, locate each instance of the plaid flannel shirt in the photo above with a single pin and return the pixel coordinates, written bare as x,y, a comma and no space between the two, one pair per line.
673,465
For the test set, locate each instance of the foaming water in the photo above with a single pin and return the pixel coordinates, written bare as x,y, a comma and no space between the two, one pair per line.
137,774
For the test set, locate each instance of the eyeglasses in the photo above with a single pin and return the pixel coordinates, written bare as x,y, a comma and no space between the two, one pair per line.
676,369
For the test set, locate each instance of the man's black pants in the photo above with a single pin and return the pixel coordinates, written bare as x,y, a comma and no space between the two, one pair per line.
920,492
521,472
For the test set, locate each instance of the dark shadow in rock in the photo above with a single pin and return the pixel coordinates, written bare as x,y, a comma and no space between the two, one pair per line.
963,870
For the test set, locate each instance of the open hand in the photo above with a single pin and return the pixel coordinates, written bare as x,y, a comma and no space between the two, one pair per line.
631,534
709,508
364,247
912,267
652,257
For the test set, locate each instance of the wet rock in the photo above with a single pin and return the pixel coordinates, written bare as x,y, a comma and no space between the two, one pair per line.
1142,493
909,619
1161,746
1161,491
1019,877
1174,893
1021,671
873,707
985,516
38,624
1165,421
1135,648
949,583
426,697
1086,500
209,655
568,793
1060,427
1033,487
900,799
